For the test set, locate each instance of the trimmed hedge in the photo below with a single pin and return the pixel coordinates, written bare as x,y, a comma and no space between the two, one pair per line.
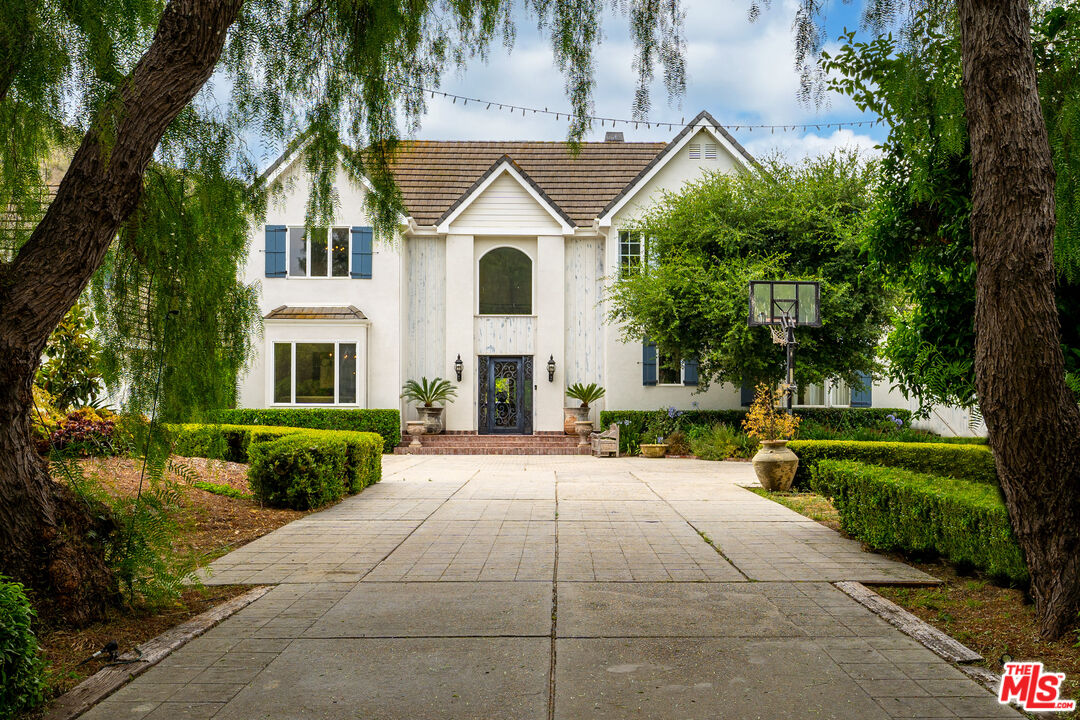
314,468
22,669
839,418
386,423
966,462
897,509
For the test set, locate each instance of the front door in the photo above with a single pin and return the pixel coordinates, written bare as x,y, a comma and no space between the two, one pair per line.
505,395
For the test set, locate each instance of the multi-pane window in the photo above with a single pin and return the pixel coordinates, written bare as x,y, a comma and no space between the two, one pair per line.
318,252
668,368
321,373
631,252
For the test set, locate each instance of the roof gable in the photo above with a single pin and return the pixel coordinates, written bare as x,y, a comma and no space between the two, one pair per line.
505,192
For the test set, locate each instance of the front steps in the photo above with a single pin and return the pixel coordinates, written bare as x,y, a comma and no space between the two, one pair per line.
458,443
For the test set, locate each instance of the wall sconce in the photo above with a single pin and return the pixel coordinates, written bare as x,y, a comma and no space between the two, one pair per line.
458,367
551,368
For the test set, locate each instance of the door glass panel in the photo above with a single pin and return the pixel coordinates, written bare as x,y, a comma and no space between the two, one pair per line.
298,252
282,372
314,372
340,252
505,393
318,252
347,373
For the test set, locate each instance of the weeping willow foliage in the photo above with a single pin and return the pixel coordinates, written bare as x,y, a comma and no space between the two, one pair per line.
342,79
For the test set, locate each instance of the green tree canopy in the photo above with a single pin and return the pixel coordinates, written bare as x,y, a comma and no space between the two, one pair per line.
786,221
919,234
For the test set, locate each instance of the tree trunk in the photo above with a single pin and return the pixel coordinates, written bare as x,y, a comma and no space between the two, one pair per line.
1032,417
43,540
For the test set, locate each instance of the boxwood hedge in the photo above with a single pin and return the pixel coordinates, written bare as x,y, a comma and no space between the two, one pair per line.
22,668
896,509
313,468
386,423
967,462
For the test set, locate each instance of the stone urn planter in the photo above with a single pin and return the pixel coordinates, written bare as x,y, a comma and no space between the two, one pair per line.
432,417
572,415
583,428
415,428
775,465
653,450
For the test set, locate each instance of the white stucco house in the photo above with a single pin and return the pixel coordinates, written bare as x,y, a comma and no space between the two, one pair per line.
500,265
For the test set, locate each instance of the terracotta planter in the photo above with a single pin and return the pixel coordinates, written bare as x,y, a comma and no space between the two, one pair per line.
572,415
432,418
775,465
653,450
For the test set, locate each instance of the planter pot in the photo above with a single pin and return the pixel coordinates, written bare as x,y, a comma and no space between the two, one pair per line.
653,450
583,428
415,428
432,418
572,415
775,465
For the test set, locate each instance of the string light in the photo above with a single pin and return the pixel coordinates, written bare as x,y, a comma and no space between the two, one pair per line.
604,120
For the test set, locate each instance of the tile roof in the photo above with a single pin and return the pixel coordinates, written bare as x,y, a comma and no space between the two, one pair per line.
287,312
433,175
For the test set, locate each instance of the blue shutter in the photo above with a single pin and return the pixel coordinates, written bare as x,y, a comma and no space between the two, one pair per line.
862,396
361,253
746,395
689,372
648,363
275,251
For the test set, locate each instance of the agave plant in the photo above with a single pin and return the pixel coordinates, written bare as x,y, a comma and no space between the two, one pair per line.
429,392
585,393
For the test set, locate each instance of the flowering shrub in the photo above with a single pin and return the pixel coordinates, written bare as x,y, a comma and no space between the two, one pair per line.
85,431
764,421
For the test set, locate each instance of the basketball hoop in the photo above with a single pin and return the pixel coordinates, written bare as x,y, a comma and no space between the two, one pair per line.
779,334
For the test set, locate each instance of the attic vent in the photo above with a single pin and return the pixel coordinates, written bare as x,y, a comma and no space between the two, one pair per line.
695,151
710,151
613,136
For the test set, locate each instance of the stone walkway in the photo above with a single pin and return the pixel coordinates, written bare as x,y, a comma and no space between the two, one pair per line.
554,587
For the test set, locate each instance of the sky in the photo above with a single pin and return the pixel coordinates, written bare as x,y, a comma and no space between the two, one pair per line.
737,70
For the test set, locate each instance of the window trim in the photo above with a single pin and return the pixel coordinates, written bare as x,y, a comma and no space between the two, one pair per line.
329,253
292,372
622,269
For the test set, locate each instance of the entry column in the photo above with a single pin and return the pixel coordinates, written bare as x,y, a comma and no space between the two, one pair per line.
460,308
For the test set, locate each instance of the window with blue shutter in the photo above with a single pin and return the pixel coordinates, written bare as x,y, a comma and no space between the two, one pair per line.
275,251
648,363
861,395
361,253
689,372
746,395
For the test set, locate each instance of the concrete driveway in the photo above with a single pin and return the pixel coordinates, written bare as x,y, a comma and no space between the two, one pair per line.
554,587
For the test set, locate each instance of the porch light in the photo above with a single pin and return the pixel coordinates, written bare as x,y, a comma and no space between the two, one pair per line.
458,367
551,368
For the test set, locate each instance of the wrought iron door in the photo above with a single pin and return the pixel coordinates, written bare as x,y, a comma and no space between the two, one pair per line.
506,392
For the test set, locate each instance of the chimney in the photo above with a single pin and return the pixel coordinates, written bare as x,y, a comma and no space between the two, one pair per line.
613,136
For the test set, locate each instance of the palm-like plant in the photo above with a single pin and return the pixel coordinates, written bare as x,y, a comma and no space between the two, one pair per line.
585,393
429,392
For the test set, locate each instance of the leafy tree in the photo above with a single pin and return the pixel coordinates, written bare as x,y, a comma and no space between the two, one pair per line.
704,245
919,230
1032,417
121,84
71,373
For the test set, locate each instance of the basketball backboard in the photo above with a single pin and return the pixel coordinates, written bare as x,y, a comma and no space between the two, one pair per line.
774,301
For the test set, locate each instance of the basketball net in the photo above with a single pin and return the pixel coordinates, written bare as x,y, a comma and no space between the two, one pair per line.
779,334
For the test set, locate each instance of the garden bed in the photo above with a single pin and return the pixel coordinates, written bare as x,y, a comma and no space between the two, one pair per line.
210,525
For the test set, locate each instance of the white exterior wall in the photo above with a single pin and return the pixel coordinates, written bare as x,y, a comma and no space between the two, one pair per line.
378,298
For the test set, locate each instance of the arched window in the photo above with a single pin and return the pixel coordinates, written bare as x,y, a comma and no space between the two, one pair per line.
505,282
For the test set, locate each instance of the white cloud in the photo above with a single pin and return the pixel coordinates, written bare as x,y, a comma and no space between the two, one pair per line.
796,147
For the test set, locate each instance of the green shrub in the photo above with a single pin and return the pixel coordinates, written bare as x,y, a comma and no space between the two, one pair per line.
967,462
887,432
720,442
386,423
299,471
222,442
220,489
22,669
897,509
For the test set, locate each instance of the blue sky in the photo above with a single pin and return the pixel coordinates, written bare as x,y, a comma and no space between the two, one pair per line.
737,70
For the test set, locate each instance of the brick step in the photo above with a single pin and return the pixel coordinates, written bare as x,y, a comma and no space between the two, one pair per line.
492,450
494,440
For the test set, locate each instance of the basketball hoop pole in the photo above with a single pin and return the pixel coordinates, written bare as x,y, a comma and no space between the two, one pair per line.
789,346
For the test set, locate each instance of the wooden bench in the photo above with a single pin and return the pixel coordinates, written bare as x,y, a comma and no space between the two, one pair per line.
606,443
